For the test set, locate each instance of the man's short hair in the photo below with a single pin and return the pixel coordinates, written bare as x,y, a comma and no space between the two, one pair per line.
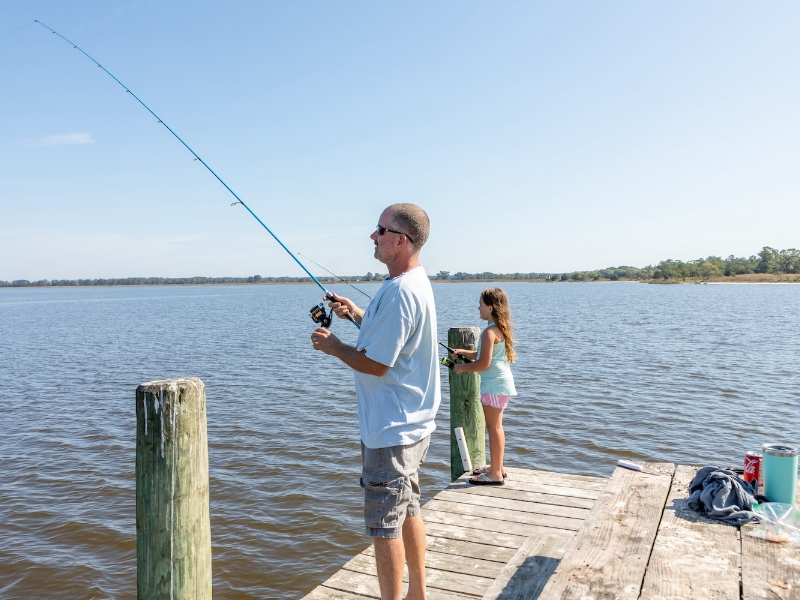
413,221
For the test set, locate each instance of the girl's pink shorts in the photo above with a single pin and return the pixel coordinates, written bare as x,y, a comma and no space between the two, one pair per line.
494,400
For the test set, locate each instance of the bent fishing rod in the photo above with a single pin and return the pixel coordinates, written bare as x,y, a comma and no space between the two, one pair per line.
448,363
318,314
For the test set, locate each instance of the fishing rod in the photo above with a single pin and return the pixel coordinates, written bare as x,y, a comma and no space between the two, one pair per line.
318,314
445,361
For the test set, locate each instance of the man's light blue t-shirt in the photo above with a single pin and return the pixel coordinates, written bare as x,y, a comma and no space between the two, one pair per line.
399,330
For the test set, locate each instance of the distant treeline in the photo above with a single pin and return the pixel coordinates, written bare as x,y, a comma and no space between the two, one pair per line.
445,275
177,281
769,260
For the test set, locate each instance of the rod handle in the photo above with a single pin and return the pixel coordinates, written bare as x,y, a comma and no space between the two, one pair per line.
463,358
329,296
452,351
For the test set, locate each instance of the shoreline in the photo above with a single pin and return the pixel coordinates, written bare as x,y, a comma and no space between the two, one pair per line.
746,279
178,285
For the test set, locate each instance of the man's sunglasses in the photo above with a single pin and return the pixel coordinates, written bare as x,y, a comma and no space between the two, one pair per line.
381,230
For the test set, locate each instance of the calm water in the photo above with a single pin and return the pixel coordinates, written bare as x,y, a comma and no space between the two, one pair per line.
686,373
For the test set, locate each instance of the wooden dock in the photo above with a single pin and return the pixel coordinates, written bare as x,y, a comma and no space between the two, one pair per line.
550,536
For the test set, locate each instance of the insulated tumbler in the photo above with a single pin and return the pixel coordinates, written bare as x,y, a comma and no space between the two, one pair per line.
779,467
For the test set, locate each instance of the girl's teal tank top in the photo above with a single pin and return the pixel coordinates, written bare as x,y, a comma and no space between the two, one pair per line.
497,379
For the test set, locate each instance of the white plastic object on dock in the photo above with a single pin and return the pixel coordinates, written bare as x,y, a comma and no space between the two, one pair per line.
466,462
626,464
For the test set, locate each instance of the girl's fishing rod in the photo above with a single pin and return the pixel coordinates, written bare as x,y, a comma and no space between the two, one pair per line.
328,295
449,349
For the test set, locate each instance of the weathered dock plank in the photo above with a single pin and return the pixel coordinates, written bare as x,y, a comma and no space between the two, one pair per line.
693,556
546,488
521,506
469,549
529,569
326,593
557,484
488,524
502,514
439,574
355,583
366,585
515,491
556,479
610,553
467,532
769,570
467,565
600,481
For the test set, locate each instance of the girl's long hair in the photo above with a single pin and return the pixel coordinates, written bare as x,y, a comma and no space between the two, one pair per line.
496,299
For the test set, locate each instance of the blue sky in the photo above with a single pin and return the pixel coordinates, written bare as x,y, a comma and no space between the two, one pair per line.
538,136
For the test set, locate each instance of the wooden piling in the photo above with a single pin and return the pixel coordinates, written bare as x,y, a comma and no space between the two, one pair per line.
173,532
465,405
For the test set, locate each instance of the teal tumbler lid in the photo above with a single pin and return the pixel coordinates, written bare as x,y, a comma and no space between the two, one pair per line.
779,450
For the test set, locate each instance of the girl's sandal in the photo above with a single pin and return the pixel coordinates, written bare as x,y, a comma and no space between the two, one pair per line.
484,479
485,471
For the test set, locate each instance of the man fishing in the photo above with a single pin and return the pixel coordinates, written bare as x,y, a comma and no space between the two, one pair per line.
395,363
396,375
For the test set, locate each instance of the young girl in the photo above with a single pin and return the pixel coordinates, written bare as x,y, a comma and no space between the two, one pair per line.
497,383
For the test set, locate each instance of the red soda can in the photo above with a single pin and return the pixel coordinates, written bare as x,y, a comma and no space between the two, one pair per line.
752,467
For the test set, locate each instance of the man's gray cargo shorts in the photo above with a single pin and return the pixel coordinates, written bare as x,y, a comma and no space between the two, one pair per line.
390,478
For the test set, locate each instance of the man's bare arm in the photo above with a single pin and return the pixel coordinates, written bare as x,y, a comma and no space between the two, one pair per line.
359,361
328,343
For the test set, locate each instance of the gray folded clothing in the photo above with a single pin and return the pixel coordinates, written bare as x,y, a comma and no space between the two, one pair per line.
720,494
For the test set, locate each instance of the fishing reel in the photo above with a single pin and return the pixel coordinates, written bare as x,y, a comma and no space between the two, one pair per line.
448,363
319,316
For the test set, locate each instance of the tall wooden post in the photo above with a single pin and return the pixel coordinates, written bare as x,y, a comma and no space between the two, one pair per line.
173,532
465,405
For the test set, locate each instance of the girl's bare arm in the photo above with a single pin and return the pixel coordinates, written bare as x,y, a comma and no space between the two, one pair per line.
482,362
470,354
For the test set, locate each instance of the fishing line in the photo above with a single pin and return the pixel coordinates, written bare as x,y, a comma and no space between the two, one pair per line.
446,362
335,275
16,30
328,295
